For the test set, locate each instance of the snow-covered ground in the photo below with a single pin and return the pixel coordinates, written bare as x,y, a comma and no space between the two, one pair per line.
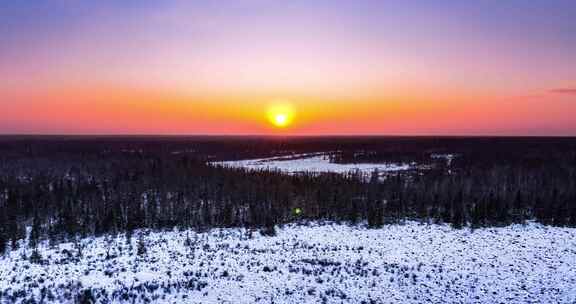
317,263
315,162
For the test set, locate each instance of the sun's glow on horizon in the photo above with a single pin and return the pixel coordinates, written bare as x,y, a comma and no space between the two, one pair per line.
280,113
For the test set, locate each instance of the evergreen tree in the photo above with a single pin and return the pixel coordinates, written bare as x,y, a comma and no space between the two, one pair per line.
458,220
128,236
3,235
518,208
434,210
375,206
269,228
572,212
3,242
36,257
35,231
476,215
228,215
14,230
502,211
141,245
446,213
560,213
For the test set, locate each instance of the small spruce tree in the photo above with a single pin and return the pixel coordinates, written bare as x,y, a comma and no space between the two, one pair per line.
35,232
36,257
141,246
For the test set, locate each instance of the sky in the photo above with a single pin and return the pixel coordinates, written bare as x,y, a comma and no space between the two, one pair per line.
342,67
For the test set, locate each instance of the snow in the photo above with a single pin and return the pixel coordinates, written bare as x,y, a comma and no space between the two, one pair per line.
313,162
312,263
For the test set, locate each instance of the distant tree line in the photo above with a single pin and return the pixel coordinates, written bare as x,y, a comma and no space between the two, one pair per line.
63,196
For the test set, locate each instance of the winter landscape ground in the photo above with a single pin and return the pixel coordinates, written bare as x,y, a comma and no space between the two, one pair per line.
129,221
313,162
304,263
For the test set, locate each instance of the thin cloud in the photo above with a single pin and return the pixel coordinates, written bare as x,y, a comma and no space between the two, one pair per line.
568,91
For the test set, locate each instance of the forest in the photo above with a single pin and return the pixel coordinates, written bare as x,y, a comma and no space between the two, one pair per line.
63,188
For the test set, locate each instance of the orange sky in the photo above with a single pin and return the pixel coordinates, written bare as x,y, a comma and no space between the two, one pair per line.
105,110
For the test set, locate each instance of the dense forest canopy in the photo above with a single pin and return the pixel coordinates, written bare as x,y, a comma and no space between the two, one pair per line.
65,187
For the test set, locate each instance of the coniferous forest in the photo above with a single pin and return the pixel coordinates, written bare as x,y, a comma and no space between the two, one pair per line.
63,188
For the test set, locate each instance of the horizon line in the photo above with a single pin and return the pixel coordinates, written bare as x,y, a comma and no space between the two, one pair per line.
278,135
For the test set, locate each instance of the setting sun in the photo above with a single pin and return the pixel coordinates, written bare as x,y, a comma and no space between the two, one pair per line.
280,120
280,114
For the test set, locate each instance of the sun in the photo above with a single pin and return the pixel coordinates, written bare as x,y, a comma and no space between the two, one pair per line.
280,114
280,120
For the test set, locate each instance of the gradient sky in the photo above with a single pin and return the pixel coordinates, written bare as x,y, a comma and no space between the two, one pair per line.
502,67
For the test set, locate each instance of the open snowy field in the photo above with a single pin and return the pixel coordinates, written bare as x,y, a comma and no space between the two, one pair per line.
315,162
318,263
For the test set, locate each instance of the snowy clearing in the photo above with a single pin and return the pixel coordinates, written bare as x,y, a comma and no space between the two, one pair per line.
314,162
318,263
